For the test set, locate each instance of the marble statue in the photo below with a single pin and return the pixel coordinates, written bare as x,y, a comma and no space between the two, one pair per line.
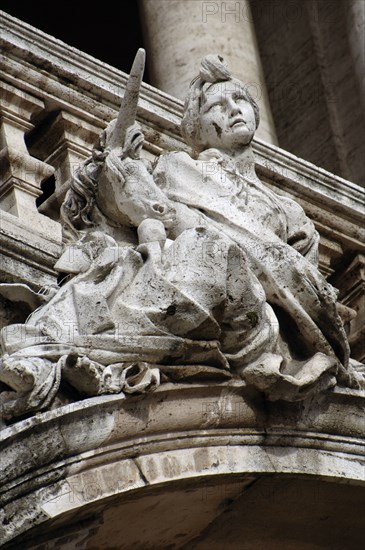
188,269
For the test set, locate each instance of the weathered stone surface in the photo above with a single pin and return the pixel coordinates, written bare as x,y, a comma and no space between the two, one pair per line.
203,445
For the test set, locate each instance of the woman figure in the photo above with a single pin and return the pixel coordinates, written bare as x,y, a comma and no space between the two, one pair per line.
307,347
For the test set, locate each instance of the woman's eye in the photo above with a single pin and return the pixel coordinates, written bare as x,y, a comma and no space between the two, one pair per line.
217,104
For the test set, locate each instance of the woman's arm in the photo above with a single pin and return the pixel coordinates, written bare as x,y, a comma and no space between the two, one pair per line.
301,233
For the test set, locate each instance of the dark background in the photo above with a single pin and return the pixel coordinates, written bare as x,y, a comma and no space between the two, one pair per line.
107,30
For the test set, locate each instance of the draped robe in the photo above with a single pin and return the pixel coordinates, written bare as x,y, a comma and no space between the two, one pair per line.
240,284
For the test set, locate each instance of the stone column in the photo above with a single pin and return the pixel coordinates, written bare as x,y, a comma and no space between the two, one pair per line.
355,11
351,282
180,32
64,143
20,173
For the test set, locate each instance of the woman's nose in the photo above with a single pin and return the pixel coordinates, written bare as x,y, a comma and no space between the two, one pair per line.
234,108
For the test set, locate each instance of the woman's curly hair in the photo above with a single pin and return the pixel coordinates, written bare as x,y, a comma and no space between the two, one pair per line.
212,71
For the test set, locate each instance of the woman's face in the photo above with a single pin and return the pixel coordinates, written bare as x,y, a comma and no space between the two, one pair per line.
227,119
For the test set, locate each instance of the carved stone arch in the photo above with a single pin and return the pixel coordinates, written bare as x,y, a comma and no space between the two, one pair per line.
166,469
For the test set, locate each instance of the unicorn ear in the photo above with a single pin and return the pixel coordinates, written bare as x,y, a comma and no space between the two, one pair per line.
128,109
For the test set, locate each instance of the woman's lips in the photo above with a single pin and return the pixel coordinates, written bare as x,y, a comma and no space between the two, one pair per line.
238,121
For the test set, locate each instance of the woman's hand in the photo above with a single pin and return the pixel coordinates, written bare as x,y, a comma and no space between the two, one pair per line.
140,210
